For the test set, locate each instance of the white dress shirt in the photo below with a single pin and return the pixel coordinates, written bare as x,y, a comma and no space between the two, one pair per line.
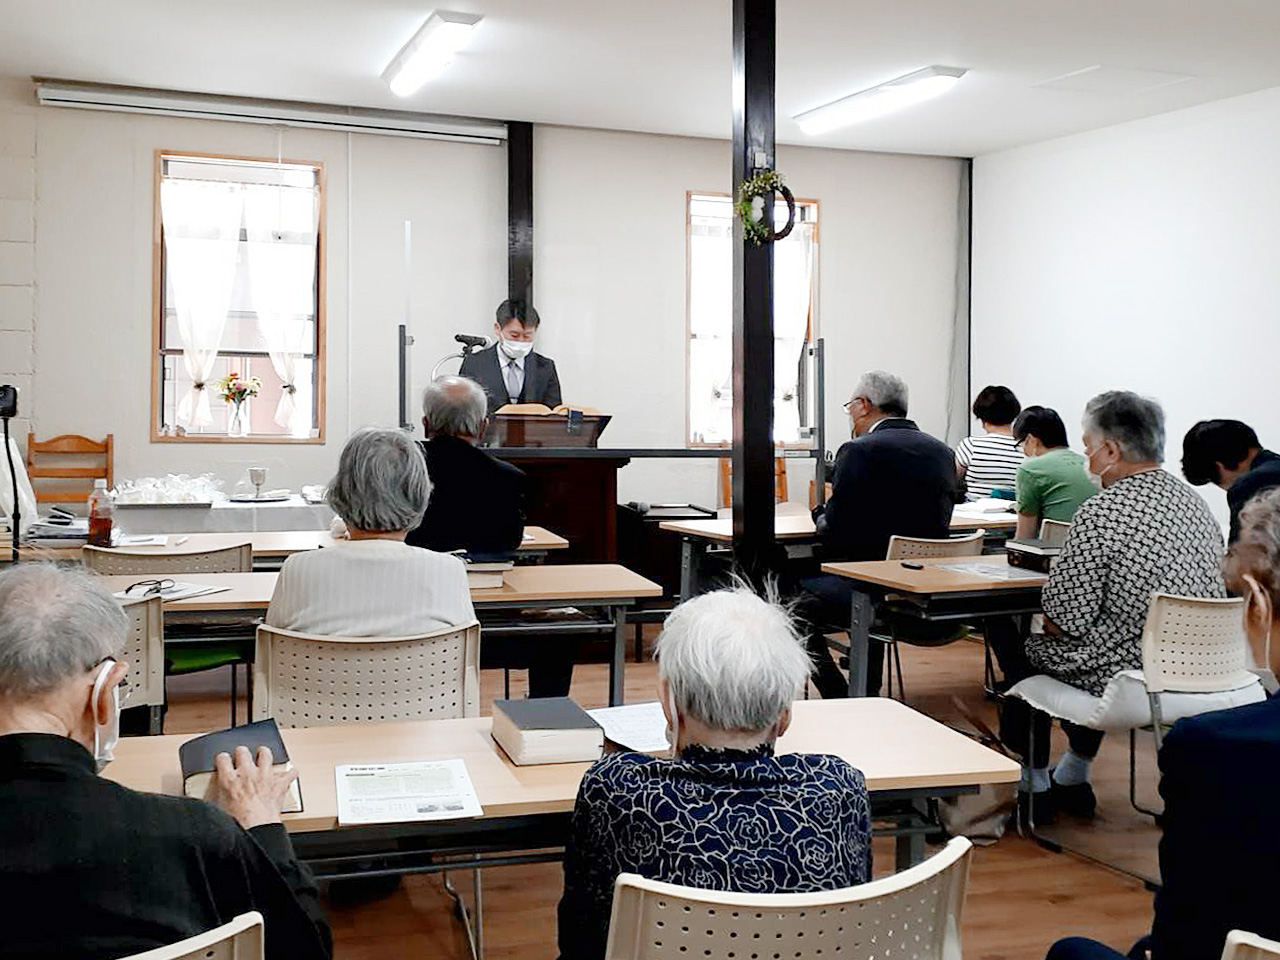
371,588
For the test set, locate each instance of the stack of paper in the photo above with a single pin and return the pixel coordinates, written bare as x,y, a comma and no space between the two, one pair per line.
403,792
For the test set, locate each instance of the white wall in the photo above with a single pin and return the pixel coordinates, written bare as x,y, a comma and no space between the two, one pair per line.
609,259
1142,256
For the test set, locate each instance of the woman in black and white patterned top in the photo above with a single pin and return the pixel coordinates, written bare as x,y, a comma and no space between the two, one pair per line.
990,462
1145,532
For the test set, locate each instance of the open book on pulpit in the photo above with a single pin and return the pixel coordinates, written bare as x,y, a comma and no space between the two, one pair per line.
537,425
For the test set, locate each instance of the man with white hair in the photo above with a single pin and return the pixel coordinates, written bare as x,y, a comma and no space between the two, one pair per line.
477,501
892,478
91,869
724,813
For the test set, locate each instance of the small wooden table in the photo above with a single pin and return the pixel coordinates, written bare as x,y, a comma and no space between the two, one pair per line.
271,548
606,588
903,754
698,536
934,593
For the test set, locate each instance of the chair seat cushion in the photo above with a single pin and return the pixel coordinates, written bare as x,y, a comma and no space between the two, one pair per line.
1124,704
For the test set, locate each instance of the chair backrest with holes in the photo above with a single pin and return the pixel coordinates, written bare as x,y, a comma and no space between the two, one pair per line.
921,548
303,680
1053,533
238,939
110,561
1249,946
912,915
144,652
1194,645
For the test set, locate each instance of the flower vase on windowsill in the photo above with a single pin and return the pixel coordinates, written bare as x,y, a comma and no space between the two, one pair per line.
235,391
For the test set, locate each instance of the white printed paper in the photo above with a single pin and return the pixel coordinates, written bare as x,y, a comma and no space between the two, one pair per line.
403,792
993,571
637,726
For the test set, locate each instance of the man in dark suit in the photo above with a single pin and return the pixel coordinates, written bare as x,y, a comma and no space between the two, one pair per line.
477,501
1227,453
510,371
477,505
892,478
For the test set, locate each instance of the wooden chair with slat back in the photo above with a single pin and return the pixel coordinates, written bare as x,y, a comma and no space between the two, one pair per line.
779,480
190,657
73,462
239,939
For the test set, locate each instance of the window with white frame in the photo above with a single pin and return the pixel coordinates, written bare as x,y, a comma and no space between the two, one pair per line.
240,291
710,326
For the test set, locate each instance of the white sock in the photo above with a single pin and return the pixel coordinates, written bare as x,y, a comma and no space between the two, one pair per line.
1071,769
1034,780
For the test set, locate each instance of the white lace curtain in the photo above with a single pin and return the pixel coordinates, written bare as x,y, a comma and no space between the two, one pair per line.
280,223
201,236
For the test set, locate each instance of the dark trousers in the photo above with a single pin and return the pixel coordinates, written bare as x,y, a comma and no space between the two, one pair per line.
552,673
1081,948
1007,638
826,605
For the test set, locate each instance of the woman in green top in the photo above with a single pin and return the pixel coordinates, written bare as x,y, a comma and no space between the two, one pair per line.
1052,481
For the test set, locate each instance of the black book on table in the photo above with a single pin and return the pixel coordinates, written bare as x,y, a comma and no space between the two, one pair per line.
546,730
197,757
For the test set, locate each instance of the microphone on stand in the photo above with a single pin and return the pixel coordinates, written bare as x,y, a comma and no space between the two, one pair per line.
472,343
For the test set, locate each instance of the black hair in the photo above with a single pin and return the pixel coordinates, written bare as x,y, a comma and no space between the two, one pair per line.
996,405
1043,423
509,310
1213,442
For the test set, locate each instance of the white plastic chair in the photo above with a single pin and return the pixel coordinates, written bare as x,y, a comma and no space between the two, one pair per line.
912,915
1053,533
304,680
144,652
238,939
1249,946
1194,660
111,561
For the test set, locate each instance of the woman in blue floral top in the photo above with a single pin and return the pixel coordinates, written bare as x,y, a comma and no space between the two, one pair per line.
724,813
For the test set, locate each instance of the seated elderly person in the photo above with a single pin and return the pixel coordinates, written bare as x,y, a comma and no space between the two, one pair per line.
1220,779
374,584
1145,532
477,501
91,869
724,813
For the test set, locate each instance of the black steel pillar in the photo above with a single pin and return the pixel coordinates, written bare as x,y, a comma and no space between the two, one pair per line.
754,44
520,211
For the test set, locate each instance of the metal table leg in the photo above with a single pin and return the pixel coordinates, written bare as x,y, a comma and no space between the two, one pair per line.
862,613
692,554
618,658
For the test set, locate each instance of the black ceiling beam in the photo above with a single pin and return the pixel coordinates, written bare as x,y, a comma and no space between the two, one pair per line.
754,56
520,211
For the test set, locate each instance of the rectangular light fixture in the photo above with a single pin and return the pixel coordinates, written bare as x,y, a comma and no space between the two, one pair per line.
429,50
883,98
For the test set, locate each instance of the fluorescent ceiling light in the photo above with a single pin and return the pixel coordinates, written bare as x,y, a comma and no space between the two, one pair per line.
881,99
429,51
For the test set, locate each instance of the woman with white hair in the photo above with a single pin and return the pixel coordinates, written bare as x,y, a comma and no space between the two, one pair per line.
723,813
374,584
1145,532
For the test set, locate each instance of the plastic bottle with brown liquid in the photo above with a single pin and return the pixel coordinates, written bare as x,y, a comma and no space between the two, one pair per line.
101,513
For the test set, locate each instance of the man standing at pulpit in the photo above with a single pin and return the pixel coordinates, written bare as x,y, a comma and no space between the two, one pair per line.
510,371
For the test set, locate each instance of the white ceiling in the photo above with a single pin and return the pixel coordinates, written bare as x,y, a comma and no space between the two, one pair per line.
663,66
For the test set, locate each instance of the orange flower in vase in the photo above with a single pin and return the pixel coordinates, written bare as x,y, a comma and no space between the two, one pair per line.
235,390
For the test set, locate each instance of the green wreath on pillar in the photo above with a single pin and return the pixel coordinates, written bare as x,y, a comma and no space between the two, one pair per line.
765,182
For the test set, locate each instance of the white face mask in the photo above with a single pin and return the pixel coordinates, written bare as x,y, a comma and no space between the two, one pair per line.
105,736
516,349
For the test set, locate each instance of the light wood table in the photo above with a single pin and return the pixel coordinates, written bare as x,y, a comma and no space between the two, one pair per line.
933,593
605,589
271,548
790,528
902,753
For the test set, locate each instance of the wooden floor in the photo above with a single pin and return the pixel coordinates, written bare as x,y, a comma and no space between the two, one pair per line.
1021,896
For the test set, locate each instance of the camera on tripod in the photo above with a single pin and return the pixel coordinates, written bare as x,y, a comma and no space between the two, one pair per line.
8,401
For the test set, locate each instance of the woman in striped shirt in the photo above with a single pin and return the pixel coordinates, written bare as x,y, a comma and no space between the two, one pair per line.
990,462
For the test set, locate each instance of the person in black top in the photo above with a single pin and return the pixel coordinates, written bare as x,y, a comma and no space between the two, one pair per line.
1227,453
477,504
892,478
510,371
92,869
477,501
